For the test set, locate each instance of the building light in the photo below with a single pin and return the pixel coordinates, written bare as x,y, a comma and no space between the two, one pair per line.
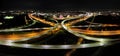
8,17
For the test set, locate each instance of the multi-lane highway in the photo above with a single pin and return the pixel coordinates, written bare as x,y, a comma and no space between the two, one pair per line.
80,31
25,32
84,32
41,20
43,31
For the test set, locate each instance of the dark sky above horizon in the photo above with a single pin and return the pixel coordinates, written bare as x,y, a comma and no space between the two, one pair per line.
59,4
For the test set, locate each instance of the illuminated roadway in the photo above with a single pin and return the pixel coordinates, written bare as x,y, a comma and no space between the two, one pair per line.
67,26
55,27
96,32
41,20
22,36
25,34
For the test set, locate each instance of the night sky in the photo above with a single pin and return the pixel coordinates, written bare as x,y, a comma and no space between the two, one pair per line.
59,4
